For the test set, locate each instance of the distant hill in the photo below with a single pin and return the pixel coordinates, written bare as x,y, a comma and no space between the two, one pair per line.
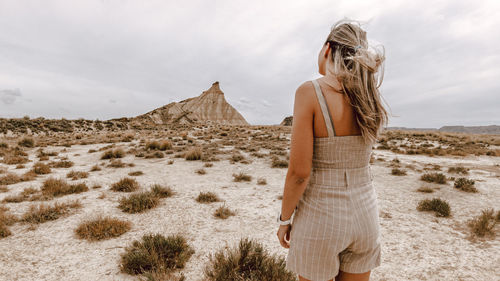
209,106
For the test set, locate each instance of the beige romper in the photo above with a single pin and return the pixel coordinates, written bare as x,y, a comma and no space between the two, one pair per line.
336,223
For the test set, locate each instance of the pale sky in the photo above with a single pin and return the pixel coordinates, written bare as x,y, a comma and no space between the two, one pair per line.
109,59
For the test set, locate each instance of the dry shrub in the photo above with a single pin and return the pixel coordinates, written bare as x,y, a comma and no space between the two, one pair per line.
41,168
125,185
26,142
43,213
14,160
223,212
425,189
95,168
458,170
138,202
434,177
241,177
156,252
58,187
135,173
102,228
201,171
249,261
484,224
9,178
74,175
398,172
6,220
111,154
465,184
161,191
441,207
61,164
117,163
193,154
279,163
261,181
207,197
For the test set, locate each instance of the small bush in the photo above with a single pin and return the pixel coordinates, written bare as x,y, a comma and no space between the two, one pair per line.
43,213
102,228
74,175
26,142
398,172
458,170
117,163
278,163
156,252
41,169
223,212
125,185
465,184
136,173
484,223
241,177
9,178
441,207
161,192
434,177
58,187
248,261
208,165
138,202
201,171
61,164
193,154
95,168
261,181
110,154
425,189
207,197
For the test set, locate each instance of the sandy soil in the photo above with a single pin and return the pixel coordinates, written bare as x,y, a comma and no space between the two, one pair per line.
415,245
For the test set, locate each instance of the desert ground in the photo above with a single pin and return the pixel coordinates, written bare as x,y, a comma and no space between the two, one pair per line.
416,244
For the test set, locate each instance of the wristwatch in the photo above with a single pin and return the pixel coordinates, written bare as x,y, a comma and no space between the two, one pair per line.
278,219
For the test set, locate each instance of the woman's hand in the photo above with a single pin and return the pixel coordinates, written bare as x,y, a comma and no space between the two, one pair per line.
284,235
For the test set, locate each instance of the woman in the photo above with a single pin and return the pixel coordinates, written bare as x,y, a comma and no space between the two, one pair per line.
328,188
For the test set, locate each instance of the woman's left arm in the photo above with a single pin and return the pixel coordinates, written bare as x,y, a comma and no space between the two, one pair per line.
301,150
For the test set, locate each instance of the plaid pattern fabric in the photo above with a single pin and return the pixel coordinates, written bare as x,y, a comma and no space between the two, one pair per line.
336,223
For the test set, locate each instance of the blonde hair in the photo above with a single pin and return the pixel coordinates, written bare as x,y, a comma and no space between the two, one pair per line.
360,71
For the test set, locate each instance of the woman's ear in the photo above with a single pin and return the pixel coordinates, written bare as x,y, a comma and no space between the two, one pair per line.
327,50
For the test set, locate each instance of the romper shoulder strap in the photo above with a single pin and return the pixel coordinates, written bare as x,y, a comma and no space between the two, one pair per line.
324,109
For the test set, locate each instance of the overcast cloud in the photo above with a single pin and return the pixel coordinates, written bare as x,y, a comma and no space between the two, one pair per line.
109,59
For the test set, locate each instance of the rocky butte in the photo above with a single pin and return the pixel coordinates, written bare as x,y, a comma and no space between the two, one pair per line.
210,106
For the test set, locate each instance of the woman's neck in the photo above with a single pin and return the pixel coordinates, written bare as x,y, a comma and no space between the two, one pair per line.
332,81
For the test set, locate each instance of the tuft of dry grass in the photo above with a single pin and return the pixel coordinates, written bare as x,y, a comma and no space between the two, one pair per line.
425,189
138,202
193,154
248,261
136,173
113,153
241,177
43,212
201,171
434,177
95,168
40,168
161,191
261,181
458,170
61,164
223,212
125,185
55,187
102,228
75,175
9,178
279,163
398,172
439,206
465,184
484,224
207,197
156,252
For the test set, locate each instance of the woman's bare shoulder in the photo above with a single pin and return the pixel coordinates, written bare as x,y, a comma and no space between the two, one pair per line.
305,89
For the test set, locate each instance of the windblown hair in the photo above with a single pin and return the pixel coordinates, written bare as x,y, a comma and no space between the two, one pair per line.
359,69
